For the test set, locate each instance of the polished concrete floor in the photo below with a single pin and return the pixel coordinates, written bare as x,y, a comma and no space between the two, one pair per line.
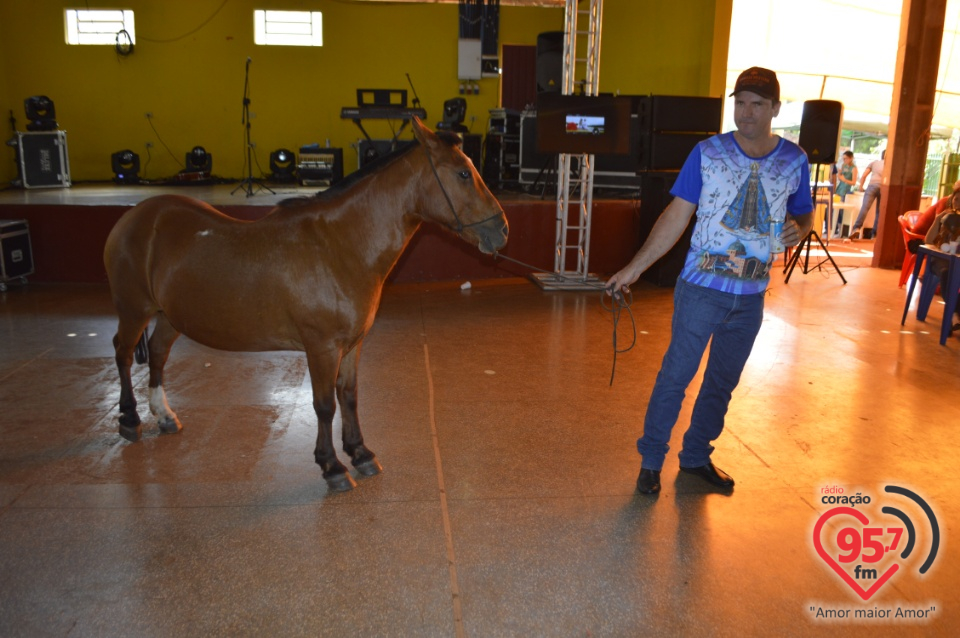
507,503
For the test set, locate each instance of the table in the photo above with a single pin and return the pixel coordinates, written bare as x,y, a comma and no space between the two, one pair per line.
843,208
951,288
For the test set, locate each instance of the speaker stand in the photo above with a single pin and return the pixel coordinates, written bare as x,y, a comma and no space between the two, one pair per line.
808,241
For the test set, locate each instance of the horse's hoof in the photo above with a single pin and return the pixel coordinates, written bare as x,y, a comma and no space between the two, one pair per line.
370,467
170,426
129,419
341,482
131,433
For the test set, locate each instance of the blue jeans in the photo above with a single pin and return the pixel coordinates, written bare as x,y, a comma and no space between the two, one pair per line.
872,194
699,313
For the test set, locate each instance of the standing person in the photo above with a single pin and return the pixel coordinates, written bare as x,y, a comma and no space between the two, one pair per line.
870,195
740,185
846,181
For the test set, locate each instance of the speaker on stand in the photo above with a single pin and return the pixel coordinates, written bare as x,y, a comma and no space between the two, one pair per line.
820,130
819,138
550,62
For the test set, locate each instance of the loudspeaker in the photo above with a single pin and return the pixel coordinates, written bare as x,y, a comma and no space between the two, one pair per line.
550,62
820,130
671,125
660,113
667,151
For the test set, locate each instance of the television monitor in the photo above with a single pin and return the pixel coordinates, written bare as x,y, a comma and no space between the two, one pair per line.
590,124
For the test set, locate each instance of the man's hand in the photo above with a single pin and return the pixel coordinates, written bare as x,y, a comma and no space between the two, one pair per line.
621,281
795,228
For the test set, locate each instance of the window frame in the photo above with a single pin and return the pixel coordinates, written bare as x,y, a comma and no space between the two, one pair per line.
74,34
311,36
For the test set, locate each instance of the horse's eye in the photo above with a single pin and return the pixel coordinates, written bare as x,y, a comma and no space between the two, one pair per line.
464,174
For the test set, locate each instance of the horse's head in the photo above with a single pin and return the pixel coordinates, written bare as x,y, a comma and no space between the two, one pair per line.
455,196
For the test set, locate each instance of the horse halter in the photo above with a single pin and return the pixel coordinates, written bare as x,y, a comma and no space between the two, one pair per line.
459,228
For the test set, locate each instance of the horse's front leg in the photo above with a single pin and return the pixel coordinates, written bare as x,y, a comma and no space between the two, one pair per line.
362,458
323,373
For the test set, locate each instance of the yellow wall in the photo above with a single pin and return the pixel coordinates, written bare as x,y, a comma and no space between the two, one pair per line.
192,83
8,169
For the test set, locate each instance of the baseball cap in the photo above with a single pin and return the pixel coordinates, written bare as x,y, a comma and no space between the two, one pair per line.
758,80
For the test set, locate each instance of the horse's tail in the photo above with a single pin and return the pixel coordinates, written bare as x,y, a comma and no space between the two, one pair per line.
141,354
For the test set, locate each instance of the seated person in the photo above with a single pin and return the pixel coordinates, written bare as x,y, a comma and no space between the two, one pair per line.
944,234
926,218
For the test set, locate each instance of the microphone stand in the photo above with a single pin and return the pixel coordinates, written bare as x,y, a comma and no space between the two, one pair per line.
248,183
416,98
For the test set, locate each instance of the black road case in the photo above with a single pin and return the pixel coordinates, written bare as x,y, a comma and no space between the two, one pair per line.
43,159
17,261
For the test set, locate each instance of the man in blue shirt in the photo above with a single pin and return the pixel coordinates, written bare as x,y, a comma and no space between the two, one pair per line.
740,185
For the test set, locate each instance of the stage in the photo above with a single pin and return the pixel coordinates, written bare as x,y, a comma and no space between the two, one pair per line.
68,228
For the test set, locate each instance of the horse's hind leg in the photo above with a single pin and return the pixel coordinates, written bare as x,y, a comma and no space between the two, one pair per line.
124,342
161,341
323,372
362,458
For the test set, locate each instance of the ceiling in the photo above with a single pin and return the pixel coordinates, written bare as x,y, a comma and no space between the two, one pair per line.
843,50
509,3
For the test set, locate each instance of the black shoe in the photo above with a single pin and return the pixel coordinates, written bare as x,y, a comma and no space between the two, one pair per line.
649,481
854,235
710,474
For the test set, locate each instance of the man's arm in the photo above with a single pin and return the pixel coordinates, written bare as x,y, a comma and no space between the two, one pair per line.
866,172
668,229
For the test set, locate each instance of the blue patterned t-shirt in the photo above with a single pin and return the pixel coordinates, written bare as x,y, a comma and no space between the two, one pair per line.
737,197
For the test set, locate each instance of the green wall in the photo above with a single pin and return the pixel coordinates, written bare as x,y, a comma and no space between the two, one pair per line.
192,83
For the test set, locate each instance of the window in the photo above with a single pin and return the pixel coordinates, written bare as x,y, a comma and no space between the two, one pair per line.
293,28
98,26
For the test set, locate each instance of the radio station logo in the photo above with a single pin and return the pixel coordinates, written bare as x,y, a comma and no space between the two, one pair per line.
866,548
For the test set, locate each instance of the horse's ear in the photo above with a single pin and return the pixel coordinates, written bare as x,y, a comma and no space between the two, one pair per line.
421,132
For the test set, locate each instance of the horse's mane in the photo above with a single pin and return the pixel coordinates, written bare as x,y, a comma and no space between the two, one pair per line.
451,139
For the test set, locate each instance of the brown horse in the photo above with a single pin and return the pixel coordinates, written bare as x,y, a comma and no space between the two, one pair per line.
307,276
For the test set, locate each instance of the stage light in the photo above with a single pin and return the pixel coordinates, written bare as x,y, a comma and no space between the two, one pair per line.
41,114
282,165
199,161
126,165
454,112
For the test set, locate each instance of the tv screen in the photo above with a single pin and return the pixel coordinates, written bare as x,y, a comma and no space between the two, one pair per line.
591,124
581,123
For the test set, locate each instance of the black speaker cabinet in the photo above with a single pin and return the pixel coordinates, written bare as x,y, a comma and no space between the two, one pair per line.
43,159
820,130
550,61
677,113
654,197
671,125
667,151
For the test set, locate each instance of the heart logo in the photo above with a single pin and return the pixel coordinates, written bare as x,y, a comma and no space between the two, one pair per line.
865,594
